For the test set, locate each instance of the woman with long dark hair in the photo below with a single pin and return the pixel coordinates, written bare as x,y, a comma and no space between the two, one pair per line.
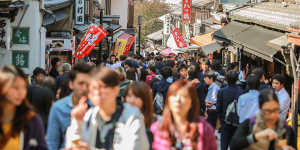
20,127
139,94
181,126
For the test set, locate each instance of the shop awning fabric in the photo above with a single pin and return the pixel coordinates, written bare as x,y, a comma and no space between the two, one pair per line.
253,38
206,42
57,16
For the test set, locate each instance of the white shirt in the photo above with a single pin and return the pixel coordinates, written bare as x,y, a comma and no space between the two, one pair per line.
284,102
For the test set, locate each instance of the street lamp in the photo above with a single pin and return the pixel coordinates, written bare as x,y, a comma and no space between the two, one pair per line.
100,44
140,19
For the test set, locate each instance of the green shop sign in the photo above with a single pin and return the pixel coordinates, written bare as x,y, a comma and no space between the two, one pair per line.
20,58
20,36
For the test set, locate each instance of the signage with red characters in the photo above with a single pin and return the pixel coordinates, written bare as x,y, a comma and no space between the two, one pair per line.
178,39
186,10
94,35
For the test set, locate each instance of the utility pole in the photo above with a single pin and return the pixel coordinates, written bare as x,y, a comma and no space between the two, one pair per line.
140,26
100,43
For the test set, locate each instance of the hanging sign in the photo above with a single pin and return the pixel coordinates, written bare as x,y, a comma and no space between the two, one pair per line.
20,58
167,24
186,10
178,39
129,45
94,35
79,11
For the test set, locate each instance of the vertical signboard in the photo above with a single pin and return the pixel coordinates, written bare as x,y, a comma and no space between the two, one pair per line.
4,42
186,10
20,59
167,24
20,36
79,11
178,39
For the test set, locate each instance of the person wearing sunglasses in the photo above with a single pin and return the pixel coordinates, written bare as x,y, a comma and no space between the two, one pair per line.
266,130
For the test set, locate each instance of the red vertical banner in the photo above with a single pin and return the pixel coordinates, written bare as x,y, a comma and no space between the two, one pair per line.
94,35
178,39
129,45
186,10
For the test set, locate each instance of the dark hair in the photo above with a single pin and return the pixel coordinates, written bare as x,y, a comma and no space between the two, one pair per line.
152,67
210,74
181,66
192,72
166,72
64,87
192,116
231,77
22,111
206,61
79,68
143,91
108,76
122,57
38,70
232,65
49,82
267,95
158,58
170,63
279,78
252,81
130,74
54,61
259,72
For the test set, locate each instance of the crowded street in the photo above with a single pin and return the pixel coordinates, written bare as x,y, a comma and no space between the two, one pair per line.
149,75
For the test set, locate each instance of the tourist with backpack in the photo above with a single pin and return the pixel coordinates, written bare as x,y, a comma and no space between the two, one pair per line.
266,130
228,116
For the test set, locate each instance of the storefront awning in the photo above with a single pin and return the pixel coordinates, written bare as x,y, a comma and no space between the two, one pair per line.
158,35
82,27
56,4
207,43
57,16
253,38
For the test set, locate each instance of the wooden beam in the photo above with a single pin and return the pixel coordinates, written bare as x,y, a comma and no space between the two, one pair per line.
294,30
295,39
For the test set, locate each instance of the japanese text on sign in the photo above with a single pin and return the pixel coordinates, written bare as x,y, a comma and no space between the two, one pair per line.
94,35
186,10
167,23
178,39
3,34
79,12
20,58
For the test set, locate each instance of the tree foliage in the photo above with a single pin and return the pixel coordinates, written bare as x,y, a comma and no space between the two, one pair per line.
150,10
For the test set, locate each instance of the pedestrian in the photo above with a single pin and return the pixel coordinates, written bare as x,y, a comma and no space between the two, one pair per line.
181,127
225,97
55,63
205,66
139,94
60,112
64,89
152,74
66,68
124,82
283,96
182,72
20,127
110,124
266,130
248,102
211,97
260,74
42,97
38,75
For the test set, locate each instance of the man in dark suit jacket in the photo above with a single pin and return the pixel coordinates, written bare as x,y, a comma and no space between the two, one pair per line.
225,96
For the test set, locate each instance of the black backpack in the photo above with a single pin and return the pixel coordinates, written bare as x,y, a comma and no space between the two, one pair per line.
231,116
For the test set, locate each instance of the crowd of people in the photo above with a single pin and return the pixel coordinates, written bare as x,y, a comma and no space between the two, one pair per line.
137,103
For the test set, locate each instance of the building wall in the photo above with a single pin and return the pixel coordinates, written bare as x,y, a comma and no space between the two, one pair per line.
120,7
32,20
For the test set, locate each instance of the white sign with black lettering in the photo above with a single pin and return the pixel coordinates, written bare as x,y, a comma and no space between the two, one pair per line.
79,11
167,24
4,34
